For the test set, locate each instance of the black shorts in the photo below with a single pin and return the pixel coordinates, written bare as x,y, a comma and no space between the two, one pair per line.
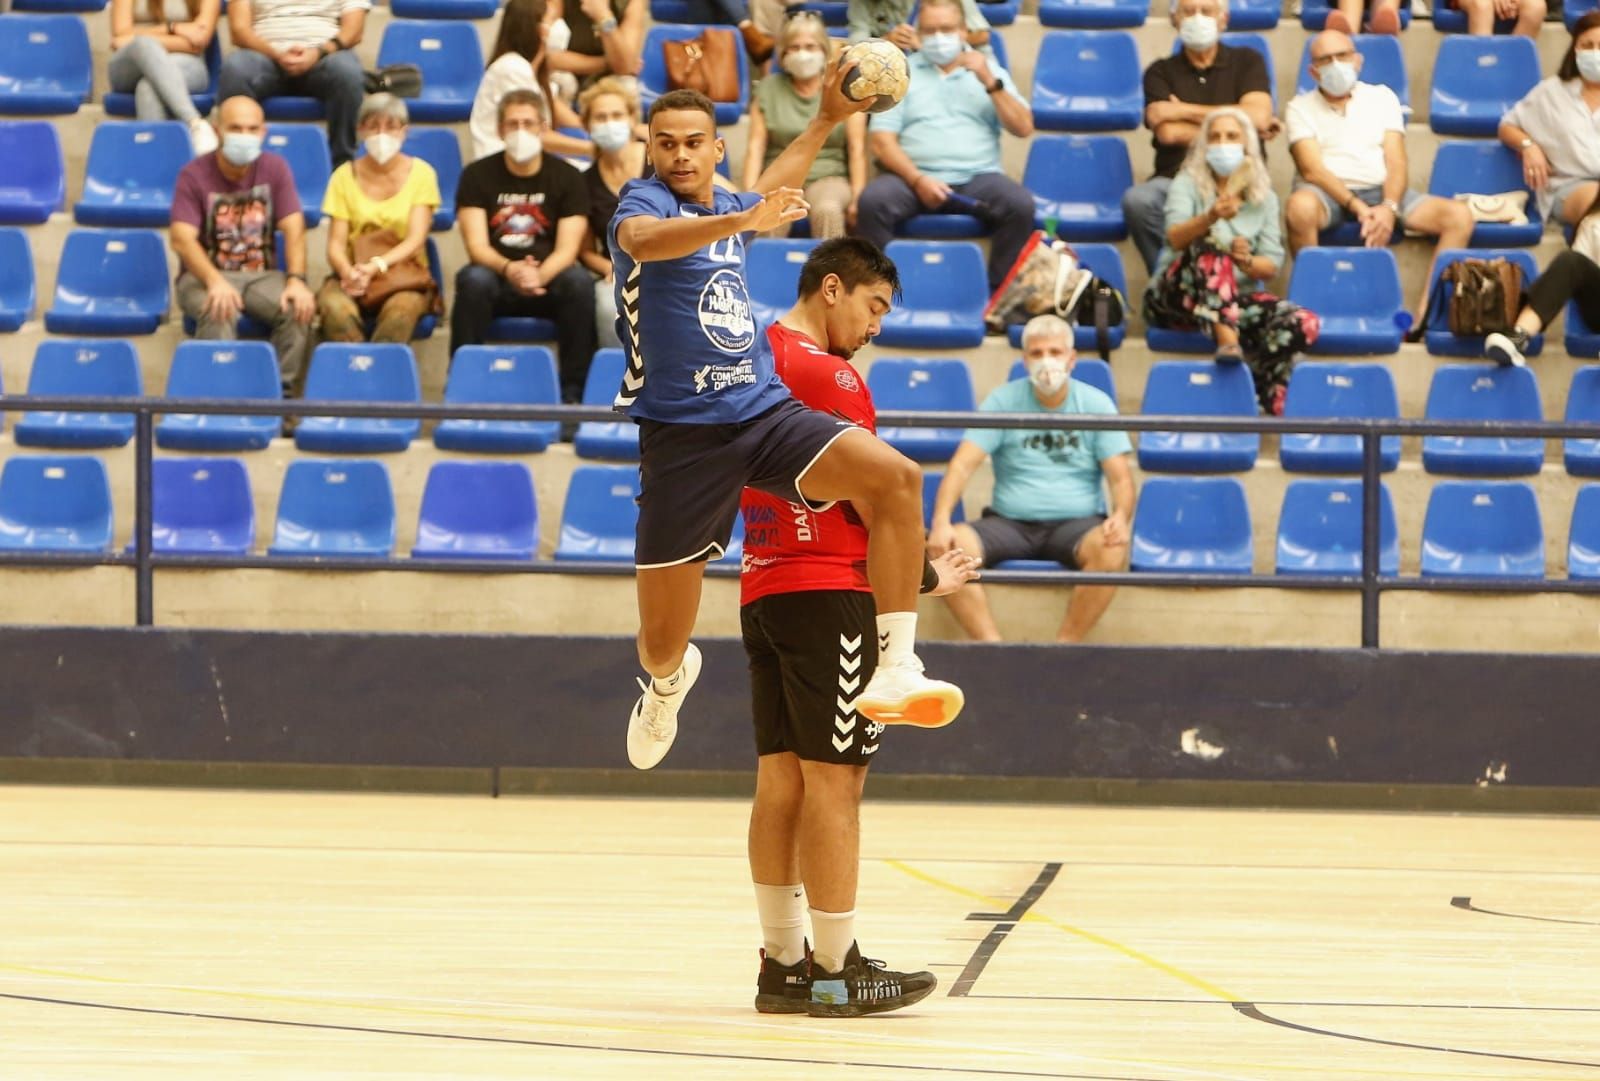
810,655
691,477
1006,538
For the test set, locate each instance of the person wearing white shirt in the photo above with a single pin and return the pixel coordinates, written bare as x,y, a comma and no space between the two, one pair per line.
518,62
1556,129
1348,142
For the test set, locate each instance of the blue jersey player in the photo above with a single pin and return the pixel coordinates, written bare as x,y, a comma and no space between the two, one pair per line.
713,417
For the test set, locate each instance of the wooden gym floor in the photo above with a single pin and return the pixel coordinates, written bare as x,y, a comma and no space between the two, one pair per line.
172,934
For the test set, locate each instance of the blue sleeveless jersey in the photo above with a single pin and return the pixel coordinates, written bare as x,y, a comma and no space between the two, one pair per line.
694,352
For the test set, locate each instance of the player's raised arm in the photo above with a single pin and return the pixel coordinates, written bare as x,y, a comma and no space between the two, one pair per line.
649,239
791,166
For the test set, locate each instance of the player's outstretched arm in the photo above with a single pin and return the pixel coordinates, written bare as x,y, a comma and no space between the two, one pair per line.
649,239
790,168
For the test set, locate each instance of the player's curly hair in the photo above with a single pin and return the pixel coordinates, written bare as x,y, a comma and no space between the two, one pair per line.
685,100
856,262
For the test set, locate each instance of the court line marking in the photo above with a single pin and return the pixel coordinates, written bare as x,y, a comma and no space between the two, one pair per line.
1295,1002
1004,923
1466,904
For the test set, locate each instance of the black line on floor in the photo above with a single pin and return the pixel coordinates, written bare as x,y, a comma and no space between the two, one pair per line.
1329,1005
1007,922
1466,904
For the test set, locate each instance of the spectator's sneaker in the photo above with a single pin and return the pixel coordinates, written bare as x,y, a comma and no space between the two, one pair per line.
1507,350
783,988
865,986
901,694
202,137
654,724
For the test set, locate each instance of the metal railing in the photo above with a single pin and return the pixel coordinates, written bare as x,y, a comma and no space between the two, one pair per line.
1369,582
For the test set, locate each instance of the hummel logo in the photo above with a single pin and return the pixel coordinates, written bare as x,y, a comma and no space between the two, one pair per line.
849,685
844,729
842,745
849,645
883,642
849,664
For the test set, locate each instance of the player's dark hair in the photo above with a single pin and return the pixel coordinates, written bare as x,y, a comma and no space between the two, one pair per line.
1569,63
857,262
688,100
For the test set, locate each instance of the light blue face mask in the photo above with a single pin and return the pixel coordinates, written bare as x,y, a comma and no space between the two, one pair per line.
241,149
611,135
1198,32
1224,158
1589,65
941,49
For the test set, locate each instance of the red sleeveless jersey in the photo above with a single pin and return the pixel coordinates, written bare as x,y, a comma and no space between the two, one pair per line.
787,547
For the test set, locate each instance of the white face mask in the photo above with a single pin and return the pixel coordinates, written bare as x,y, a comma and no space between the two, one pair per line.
523,146
942,49
1338,78
803,63
557,36
1048,376
1589,64
611,135
1198,32
382,147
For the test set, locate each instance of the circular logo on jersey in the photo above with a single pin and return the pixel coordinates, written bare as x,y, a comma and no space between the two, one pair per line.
725,313
846,380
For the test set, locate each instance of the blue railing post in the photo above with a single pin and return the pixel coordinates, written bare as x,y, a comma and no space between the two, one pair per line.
1371,527
144,584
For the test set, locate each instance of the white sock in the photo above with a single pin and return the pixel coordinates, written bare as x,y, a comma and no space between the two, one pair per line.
783,922
669,685
897,637
833,933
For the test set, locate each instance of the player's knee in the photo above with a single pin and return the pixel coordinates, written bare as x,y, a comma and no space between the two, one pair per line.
833,783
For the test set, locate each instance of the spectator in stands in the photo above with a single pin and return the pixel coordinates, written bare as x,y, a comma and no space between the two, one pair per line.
1047,501
610,111
940,147
228,268
1382,16
1482,14
161,61
518,62
1348,142
592,38
1571,275
522,215
379,207
783,104
1223,244
1180,91
1556,131
300,47
891,20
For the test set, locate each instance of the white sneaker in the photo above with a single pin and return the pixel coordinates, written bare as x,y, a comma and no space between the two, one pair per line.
1506,349
202,137
901,694
654,724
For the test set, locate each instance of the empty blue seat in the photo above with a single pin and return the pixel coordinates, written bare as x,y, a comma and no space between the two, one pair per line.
123,105
1583,539
361,372
55,503
1199,388
1448,19
1482,529
1107,266
1314,14
1573,10
1078,181
44,64
17,295
1382,64
201,506
1191,525
1088,80
1343,391
921,386
653,77
59,5
451,60
616,440
305,148
1254,14
1442,343
1582,340
1090,370
1356,294
335,509
1093,14
444,9
440,148
478,510
131,172
1319,529
34,181
505,375
1485,167
81,368
111,281
1483,392
1476,81
945,289
599,516
221,369
1582,456
772,270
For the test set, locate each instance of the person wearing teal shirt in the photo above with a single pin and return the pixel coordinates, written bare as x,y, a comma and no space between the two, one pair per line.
1048,487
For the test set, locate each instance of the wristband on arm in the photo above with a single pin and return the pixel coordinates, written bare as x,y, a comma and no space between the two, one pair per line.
930,576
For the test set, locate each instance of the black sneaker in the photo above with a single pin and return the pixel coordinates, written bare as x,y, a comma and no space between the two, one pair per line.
865,986
783,988
1507,350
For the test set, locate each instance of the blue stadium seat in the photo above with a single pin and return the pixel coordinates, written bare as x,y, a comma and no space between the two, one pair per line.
614,440
598,519
520,328
1356,294
772,270
305,148
653,79
1582,340
201,506
1090,370
361,372
1191,525
44,65
1573,10
1582,456
478,510
1482,529
1079,180
81,6
1483,392
922,386
1382,64
55,503
669,11
1088,80
17,295
1178,340
940,225
1449,20
1476,81
1107,265
515,375
1199,388
131,172
451,60
1094,14
945,289
296,107
1485,167
111,281
1319,529
440,148
833,12
1344,391
1254,14
931,479
1583,540
1314,14
444,9
35,180
81,368
335,509
123,105
1442,343
221,369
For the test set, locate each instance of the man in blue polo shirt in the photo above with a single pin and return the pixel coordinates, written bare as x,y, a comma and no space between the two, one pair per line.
943,140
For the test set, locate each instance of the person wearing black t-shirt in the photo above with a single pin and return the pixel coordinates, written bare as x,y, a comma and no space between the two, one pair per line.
1179,92
522,215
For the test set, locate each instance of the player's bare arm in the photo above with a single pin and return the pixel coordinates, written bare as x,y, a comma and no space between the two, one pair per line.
650,239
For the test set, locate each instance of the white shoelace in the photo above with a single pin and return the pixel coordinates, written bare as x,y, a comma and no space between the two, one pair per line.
654,721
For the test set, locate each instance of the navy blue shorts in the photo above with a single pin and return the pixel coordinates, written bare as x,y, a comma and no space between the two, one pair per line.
692,475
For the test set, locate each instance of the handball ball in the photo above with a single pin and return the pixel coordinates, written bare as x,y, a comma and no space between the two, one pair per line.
880,73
